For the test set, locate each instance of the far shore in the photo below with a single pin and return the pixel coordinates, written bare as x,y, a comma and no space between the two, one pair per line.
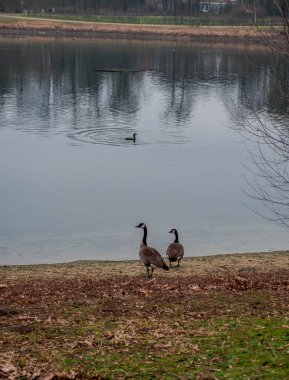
237,264
11,25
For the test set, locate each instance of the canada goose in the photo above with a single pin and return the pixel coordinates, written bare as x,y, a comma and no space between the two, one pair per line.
175,251
149,256
131,138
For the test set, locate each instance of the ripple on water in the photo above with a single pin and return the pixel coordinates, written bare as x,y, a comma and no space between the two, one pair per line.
115,136
105,136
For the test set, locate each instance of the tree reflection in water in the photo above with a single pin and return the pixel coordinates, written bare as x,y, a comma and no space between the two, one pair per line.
268,131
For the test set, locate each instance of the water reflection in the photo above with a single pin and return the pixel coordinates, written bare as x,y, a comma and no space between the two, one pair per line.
57,82
268,174
264,122
73,187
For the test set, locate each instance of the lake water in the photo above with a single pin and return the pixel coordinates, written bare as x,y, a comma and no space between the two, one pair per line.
72,187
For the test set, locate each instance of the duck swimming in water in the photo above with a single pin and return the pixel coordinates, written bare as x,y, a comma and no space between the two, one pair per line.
131,138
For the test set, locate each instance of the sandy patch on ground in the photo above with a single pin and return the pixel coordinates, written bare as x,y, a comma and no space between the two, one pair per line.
206,265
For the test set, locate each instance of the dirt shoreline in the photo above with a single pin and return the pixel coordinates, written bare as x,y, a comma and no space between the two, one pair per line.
42,27
237,264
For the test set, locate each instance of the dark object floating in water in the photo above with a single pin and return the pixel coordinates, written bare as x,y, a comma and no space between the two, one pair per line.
118,70
131,138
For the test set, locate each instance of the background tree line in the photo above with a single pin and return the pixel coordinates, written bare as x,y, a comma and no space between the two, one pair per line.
167,7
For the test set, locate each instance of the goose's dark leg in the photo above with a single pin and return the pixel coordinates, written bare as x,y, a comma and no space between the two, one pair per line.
171,264
148,272
179,261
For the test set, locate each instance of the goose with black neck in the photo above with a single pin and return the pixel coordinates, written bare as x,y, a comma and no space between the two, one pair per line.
149,256
175,251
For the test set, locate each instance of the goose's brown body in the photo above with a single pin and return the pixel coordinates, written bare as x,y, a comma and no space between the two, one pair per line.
175,251
149,256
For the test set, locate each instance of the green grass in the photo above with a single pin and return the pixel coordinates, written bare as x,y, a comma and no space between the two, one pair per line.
246,349
8,20
205,20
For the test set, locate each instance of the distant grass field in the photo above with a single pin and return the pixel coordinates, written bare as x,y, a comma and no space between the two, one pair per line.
8,20
144,20
156,20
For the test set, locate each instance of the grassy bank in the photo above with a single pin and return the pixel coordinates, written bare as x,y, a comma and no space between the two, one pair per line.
205,19
220,317
201,19
133,28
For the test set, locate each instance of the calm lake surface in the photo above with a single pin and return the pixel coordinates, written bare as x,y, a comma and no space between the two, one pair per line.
72,187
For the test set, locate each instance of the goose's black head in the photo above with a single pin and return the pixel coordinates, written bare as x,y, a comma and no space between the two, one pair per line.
173,231
134,135
141,225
